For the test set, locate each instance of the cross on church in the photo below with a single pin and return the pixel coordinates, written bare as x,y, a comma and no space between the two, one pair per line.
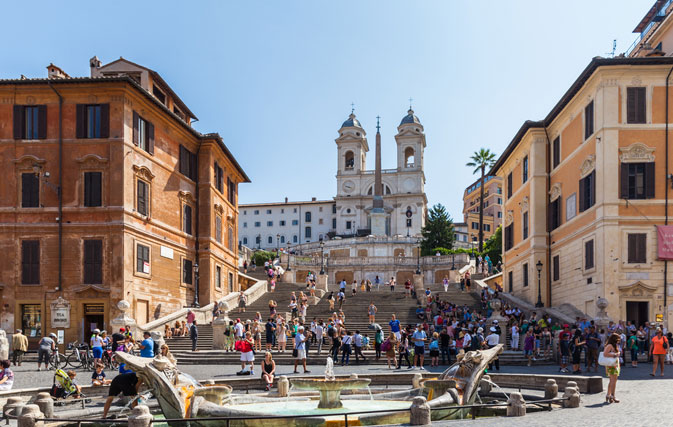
378,127
410,101
352,108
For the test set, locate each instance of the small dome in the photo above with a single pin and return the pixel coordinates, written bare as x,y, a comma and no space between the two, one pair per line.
352,122
410,118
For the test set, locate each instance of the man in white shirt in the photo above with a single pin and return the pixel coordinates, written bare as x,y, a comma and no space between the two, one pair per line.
340,297
319,331
239,330
493,339
357,342
467,340
300,346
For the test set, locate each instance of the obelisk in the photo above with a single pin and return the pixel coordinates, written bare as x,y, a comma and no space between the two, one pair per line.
378,214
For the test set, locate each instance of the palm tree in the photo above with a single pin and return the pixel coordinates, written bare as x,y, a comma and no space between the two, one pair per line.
481,160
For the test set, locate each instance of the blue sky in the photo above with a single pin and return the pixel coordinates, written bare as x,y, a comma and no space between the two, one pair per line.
276,79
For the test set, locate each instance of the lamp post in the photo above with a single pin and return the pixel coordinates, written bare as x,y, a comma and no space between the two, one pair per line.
288,258
322,256
196,285
474,242
278,247
418,259
539,289
453,261
259,241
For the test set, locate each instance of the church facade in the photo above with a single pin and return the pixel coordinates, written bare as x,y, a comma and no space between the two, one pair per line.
402,191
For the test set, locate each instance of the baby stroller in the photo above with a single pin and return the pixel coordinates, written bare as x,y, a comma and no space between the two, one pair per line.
62,387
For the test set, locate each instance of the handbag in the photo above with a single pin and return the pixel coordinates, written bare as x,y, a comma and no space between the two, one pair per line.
665,343
606,361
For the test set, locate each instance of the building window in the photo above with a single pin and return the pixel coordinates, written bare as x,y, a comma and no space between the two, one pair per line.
556,152
294,210
349,160
556,270
294,239
187,219
142,259
30,190
187,163
587,191
282,210
218,277
93,121
487,227
637,243
499,201
334,223
589,120
333,209
230,238
231,191
245,240
525,275
589,254
258,224
256,212
509,185
475,226
295,222
510,281
499,214
637,180
245,212
30,262
30,122
159,94
307,232
258,240
555,214
143,133
509,237
142,197
524,174
92,189
231,282
31,319
307,217
218,228
348,225
93,261
187,271
636,103
282,239
320,209
269,223
281,223
268,211
408,222
320,221
524,225
270,240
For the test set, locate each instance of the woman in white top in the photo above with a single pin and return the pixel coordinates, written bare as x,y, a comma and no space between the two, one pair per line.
281,337
515,336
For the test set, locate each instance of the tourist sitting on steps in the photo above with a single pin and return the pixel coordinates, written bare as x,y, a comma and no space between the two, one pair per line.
268,370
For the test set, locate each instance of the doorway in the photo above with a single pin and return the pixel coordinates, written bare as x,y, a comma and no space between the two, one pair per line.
142,311
94,318
638,312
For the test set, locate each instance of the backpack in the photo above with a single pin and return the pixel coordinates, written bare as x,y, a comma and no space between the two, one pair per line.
227,332
385,346
476,342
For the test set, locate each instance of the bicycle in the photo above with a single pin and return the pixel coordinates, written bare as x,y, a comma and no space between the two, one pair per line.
80,357
109,359
57,360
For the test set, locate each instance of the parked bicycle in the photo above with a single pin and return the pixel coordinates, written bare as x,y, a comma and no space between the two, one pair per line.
57,360
81,356
108,359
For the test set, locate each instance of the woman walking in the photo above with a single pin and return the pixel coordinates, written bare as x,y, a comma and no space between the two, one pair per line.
611,350
577,350
403,351
281,335
514,343
390,348
658,351
372,312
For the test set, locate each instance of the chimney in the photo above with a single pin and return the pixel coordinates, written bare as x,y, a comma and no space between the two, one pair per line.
286,200
94,65
54,72
313,199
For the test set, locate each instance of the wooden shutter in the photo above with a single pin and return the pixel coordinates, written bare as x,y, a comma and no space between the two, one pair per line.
640,104
592,188
150,138
19,120
136,119
582,194
181,160
217,176
92,189
41,121
30,262
30,191
632,243
105,120
649,180
631,105
556,268
80,126
556,156
589,255
624,181
187,219
641,248
142,197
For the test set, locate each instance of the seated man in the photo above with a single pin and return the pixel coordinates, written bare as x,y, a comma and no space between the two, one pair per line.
420,313
127,384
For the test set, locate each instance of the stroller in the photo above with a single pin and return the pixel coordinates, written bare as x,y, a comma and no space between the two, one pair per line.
62,387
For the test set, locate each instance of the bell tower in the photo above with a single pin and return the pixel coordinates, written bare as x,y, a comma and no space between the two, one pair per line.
410,140
352,151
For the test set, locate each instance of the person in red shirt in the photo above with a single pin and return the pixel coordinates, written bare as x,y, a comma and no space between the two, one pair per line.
247,355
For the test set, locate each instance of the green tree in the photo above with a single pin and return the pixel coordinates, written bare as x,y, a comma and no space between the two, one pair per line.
438,230
481,160
493,246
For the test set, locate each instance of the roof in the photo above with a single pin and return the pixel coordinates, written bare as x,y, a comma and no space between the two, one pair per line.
157,77
577,85
136,85
351,122
648,16
310,202
410,118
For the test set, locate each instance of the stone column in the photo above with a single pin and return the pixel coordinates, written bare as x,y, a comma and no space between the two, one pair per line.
283,386
140,417
219,326
321,282
31,417
516,406
123,319
4,345
288,276
46,404
418,287
551,389
420,412
12,404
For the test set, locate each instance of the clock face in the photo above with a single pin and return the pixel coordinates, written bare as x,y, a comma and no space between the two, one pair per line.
409,184
348,186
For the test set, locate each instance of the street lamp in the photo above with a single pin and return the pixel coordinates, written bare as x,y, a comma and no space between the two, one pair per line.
196,285
288,258
539,289
278,247
453,261
322,256
259,241
418,260
474,242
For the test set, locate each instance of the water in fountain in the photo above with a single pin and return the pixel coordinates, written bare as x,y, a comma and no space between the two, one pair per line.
371,396
329,369
496,386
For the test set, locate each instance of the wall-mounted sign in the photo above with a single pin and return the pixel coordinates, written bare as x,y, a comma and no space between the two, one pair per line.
60,313
166,252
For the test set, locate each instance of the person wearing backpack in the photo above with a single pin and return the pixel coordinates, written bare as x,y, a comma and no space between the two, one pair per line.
434,350
378,341
389,346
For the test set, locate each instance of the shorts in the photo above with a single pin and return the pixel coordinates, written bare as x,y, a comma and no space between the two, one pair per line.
97,352
419,349
528,353
269,339
241,304
301,354
43,356
564,359
537,343
126,389
398,335
434,353
248,356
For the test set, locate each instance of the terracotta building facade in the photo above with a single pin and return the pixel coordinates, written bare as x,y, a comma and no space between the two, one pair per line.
109,194
584,189
492,217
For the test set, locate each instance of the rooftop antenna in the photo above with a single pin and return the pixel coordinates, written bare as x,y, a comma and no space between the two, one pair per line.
614,48
378,127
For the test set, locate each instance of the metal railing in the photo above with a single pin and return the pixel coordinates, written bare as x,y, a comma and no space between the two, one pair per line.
474,413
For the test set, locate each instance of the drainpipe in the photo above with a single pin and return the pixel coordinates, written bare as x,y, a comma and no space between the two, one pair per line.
668,76
60,186
196,229
546,203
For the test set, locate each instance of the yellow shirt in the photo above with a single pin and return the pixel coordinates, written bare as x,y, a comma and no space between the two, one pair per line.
19,342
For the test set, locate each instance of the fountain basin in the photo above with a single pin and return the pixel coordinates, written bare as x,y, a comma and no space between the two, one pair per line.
330,390
217,394
437,387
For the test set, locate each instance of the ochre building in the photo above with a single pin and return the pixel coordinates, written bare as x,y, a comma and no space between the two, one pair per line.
492,217
109,194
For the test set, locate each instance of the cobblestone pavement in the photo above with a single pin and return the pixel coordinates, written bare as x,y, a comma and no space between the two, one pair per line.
645,401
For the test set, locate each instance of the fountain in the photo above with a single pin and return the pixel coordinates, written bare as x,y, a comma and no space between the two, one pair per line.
330,388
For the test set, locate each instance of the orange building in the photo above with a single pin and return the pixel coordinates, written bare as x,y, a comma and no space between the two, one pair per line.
109,194
492,217
585,188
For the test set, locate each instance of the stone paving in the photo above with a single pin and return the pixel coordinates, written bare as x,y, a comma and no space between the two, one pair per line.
645,401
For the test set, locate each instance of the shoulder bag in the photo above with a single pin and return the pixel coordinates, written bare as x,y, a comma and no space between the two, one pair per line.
606,361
